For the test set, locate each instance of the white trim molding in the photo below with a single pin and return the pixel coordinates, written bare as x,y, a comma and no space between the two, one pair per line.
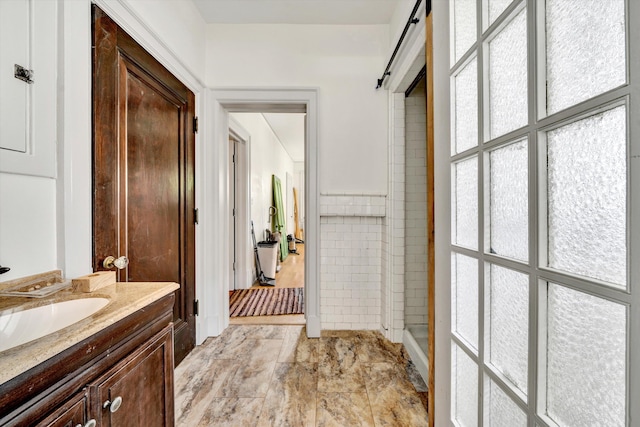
219,103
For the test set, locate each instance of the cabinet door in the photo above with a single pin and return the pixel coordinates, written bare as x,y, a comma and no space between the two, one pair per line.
138,390
28,115
71,414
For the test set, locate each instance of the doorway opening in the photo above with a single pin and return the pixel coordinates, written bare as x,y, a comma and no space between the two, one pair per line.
225,105
415,242
266,160
411,248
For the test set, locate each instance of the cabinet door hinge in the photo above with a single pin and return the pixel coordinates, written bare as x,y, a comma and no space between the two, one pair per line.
196,215
196,307
195,124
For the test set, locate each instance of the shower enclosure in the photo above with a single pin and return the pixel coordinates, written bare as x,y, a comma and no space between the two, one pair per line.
415,312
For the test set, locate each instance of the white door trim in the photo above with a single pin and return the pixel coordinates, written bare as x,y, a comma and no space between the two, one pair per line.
220,102
244,249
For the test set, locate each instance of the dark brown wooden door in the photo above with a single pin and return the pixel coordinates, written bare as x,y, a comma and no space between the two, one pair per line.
143,160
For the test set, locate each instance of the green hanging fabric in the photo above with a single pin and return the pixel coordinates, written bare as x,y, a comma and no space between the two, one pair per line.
279,218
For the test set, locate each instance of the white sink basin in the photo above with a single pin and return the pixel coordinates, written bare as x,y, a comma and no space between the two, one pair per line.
21,326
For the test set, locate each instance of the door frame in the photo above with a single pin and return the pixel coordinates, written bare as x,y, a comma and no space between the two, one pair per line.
215,295
244,260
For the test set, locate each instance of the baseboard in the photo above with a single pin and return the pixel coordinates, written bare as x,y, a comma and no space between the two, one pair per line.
418,358
313,327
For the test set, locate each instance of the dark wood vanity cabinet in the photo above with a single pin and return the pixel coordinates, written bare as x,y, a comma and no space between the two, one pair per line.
121,376
139,390
71,414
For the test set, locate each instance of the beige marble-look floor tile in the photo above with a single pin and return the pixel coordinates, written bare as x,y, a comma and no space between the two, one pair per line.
197,381
264,332
251,377
339,370
291,399
231,344
297,347
393,399
239,341
344,409
375,348
231,412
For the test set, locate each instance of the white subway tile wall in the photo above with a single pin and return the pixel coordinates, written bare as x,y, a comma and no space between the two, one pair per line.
373,248
415,261
351,261
393,240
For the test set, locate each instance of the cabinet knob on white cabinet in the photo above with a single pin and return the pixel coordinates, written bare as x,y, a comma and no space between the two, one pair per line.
113,406
119,263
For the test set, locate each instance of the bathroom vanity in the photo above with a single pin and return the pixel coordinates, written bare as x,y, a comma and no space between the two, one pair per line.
113,368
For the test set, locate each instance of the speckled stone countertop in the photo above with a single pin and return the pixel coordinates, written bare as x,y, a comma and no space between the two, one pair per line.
124,299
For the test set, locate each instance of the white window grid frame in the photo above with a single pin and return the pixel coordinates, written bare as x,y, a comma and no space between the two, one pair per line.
539,122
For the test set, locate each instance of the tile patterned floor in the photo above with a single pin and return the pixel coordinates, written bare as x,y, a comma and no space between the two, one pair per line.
273,375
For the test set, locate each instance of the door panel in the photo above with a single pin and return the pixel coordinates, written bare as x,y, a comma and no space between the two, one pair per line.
143,153
151,194
232,214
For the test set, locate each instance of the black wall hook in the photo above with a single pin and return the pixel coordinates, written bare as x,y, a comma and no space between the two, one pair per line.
4,269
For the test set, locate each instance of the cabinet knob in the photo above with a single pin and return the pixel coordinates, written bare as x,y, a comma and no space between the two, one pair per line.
90,423
113,406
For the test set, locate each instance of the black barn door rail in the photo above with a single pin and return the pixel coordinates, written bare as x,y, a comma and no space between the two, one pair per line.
412,20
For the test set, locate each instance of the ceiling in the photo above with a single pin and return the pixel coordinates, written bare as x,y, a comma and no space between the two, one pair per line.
338,12
289,129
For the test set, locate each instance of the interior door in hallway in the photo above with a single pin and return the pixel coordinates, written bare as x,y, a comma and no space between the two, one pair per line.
232,214
143,170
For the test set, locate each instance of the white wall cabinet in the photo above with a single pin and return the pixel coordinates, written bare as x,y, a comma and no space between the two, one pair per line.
28,38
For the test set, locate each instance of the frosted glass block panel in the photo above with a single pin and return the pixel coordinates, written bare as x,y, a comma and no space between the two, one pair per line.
464,26
464,401
464,280
466,108
465,203
585,359
508,77
509,324
509,201
587,197
500,410
496,7
585,50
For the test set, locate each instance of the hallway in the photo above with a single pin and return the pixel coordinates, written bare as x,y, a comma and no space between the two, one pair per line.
291,275
275,376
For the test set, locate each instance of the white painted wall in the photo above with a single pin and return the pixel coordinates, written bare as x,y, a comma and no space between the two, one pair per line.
27,225
399,19
342,61
268,157
179,25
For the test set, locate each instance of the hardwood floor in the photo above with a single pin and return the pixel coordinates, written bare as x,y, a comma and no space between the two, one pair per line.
276,376
291,275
